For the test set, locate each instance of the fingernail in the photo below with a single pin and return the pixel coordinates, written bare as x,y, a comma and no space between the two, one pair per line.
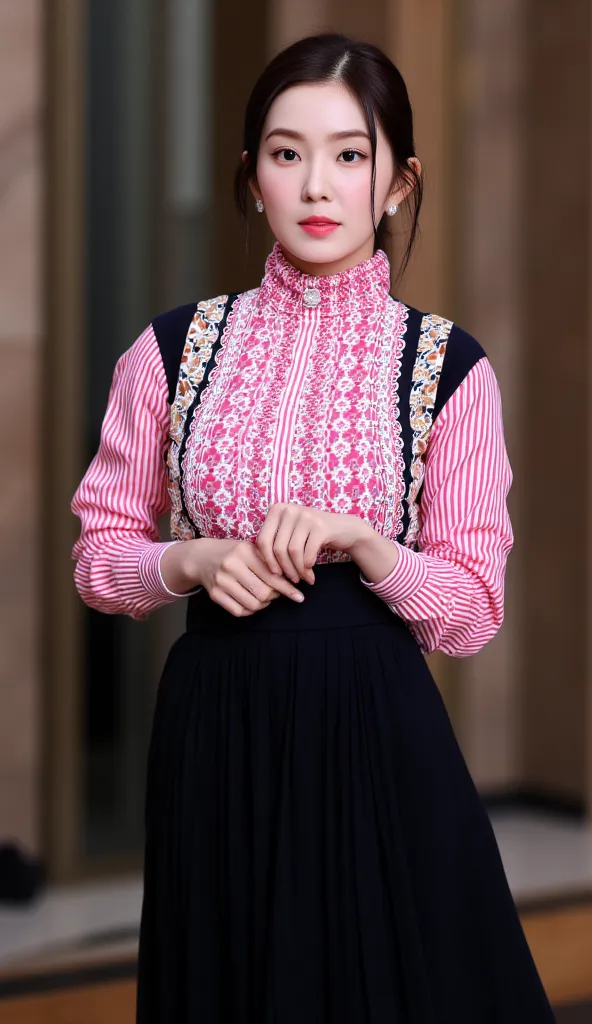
299,596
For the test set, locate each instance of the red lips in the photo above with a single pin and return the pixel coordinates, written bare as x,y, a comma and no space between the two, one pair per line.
318,220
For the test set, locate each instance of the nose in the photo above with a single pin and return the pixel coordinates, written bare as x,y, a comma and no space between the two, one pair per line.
316,185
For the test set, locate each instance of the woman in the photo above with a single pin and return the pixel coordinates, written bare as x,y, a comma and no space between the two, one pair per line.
335,466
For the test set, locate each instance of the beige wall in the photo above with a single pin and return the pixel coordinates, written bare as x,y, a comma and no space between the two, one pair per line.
20,324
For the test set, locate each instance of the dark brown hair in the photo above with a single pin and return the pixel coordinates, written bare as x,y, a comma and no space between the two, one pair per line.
375,82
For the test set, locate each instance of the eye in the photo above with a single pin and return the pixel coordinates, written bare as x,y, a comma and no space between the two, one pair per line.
291,155
350,156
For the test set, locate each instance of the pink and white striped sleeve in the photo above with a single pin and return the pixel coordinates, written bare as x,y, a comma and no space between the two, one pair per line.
451,591
123,493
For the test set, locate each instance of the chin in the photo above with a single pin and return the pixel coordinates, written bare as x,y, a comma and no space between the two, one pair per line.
316,250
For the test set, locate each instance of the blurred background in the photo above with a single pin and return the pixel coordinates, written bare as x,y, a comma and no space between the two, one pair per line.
120,129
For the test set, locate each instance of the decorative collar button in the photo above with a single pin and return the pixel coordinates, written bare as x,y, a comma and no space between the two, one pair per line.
311,297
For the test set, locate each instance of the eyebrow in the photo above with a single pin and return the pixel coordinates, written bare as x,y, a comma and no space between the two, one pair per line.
350,134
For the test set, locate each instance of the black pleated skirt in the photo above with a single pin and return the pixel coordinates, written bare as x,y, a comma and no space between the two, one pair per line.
316,850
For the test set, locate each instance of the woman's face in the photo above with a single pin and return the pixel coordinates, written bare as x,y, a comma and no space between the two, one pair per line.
315,162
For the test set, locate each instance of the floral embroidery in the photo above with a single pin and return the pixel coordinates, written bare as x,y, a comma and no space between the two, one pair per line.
343,452
431,350
201,337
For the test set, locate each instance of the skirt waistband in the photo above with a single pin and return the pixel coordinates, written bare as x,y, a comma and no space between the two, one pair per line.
337,599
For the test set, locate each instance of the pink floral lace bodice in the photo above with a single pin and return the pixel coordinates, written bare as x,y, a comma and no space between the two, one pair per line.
301,405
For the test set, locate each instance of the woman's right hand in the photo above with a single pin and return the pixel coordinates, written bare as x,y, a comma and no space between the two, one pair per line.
232,571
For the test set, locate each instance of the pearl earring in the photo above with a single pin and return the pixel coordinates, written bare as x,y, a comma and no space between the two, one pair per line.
392,210
259,205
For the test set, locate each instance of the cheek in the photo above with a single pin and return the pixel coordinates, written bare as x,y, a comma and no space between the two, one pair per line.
356,191
275,186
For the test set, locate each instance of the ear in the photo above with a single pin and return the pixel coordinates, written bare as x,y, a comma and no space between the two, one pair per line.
416,166
252,181
405,185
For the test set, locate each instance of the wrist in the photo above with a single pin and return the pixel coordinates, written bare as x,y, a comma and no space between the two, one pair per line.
362,537
179,567
375,555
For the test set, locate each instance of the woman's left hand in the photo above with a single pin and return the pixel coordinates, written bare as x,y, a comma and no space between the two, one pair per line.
292,536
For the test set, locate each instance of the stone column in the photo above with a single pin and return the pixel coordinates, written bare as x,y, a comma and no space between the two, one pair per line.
555,363
488,288
20,421
61,416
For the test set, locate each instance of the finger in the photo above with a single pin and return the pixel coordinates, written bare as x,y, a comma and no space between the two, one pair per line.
265,539
280,548
296,549
225,601
253,582
311,552
238,594
245,565
278,584
234,606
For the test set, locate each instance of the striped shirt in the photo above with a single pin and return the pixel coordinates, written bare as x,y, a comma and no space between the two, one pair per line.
300,408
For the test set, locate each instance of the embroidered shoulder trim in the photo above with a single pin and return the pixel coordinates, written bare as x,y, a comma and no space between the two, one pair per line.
431,349
201,337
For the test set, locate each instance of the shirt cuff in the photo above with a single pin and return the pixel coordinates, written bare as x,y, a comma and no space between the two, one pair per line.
150,573
404,581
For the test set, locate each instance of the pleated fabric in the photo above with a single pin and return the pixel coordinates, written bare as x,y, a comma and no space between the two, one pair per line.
316,850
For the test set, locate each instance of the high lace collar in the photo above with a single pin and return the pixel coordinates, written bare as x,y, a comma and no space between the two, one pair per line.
288,290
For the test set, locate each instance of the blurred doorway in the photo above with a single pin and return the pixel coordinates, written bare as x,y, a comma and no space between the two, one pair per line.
129,234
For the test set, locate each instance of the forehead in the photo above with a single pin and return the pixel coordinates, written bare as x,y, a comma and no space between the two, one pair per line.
316,109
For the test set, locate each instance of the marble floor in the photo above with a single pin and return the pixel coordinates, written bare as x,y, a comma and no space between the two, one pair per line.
546,859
